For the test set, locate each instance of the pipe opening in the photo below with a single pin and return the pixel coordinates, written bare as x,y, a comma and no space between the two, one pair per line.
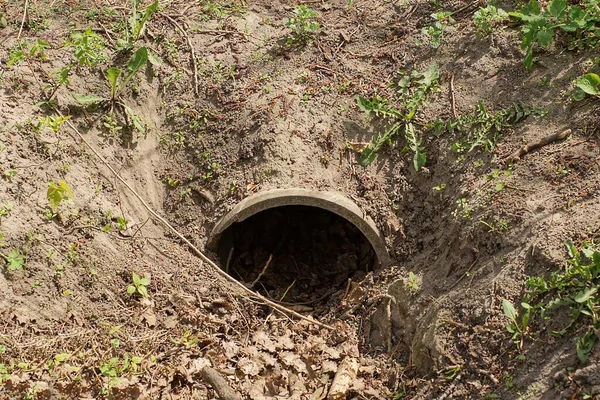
296,254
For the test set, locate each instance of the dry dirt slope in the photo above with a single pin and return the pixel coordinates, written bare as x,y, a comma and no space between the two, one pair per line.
267,116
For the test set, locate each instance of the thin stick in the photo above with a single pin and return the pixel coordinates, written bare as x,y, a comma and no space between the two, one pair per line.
219,384
536,145
202,256
452,100
192,53
263,271
229,259
23,20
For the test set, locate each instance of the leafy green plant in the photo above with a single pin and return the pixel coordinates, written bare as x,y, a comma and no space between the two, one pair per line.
488,18
137,25
484,129
412,283
580,24
412,91
518,326
139,286
88,48
13,259
57,193
587,84
118,80
28,52
303,25
186,340
435,32
576,289
54,122
122,222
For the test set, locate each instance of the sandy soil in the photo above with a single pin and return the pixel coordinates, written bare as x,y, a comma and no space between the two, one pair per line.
269,116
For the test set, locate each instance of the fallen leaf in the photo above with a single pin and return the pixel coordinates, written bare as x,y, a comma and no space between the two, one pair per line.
249,367
286,343
149,317
261,338
231,349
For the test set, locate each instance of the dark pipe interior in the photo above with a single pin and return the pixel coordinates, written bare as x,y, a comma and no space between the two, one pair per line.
313,253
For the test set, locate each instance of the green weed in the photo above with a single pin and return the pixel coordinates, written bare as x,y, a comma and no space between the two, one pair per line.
58,192
484,129
581,25
303,25
28,52
435,32
488,18
412,91
118,80
88,48
574,289
139,286
137,25
14,260
519,325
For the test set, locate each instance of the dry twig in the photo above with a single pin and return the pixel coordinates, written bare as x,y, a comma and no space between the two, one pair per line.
452,99
214,379
263,271
24,18
531,146
192,52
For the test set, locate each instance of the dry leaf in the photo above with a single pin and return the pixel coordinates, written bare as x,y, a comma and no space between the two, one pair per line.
231,349
249,367
149,317
261,338
286,343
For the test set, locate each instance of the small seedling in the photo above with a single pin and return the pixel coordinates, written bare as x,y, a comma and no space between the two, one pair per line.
14,261
57,193
122,222
54,122
519,327
435,32
88,48
412,283
186,340
139,285
303,25
463,209
6,209
488,18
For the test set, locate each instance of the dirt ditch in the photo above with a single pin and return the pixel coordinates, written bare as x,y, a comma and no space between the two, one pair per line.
406,271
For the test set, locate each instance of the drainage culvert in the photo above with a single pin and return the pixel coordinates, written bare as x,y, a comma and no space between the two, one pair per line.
297,246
